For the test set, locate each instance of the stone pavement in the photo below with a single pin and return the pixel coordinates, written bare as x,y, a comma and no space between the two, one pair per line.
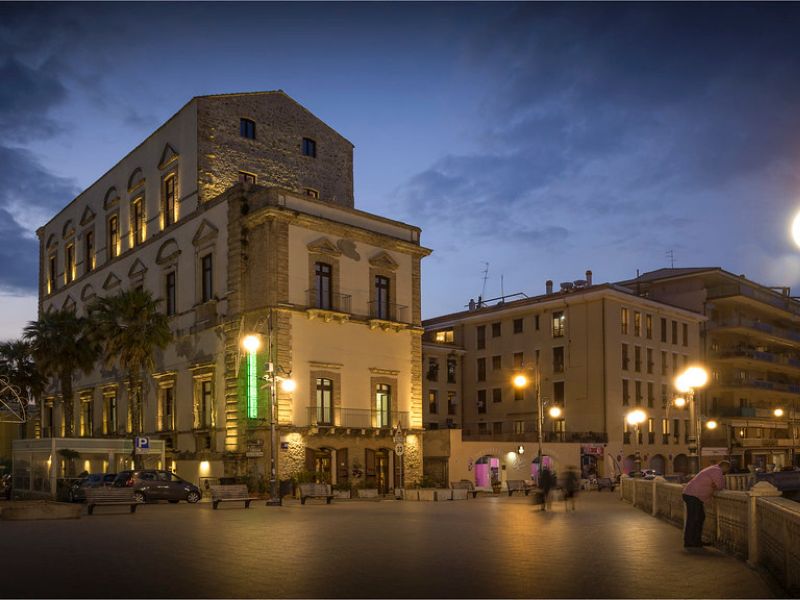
489,547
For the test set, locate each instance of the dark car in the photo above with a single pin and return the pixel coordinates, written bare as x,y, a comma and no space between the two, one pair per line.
150,485
77,491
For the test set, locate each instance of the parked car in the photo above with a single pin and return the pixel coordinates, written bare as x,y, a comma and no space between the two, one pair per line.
650,474
151,485
77,491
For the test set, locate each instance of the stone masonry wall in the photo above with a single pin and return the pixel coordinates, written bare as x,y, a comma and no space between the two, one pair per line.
275,156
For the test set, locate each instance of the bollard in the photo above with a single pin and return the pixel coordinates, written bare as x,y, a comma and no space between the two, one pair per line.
762,489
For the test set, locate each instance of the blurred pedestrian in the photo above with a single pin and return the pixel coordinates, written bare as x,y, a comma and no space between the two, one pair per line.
546,481
571,484
699,490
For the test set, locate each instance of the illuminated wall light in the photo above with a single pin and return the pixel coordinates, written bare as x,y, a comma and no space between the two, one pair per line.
87,466
204,467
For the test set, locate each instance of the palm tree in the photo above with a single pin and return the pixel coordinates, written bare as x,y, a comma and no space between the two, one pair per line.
61,345
17,365
130,326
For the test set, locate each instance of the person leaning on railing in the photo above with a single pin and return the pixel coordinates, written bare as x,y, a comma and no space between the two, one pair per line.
699,490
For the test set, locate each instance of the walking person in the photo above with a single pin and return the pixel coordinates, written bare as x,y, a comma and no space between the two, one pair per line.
699,490
546,485
571,485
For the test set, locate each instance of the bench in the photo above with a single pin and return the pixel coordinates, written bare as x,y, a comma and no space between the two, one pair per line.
464,484
605,482
230,493
110,496
315,490
517,485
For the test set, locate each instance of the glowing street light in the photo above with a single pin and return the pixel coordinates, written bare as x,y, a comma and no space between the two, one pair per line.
778,412
679,402
251,343
635,418
686,383
711,424
554,412
288,385
520,381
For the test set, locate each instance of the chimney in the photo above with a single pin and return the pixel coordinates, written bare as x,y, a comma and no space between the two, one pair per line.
588,277
548,286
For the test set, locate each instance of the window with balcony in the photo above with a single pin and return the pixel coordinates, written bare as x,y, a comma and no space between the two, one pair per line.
203,402
480,333
497,395
110,421
518,360
625,357
452,403
519,394
664,431
433,369
558,359
433,402
559,429
637,359
497,363
650,394
675,332
664,330
674,363
651,431
323,400
648,327
206,278
451,370
559,323
626,394
623,320
676,430
497,427
383,405
650,361
323,288
481,369
481,401
638,388
166,408
383,297
87,416
664,367
558,393
519,427
637,323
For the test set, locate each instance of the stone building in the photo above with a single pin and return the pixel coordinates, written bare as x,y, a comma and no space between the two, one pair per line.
238,213
751,346
601,351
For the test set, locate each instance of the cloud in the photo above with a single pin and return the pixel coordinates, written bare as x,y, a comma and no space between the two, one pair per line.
627,128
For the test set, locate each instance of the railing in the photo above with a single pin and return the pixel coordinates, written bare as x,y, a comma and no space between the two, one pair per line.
739,482
756,325
757,524
332,302
388,311
762,384
356,418
769,357
510,432
736,289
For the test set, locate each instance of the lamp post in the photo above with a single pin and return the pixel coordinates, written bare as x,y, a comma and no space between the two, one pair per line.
779,412
273,376
687,383
521,382
635,418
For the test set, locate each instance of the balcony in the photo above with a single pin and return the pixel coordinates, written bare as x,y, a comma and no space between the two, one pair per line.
740,289
510,432
764,442
761,385
355,418
749,354
387,314
765,329
330,307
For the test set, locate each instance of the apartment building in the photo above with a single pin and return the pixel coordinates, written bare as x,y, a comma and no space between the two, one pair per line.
238,214
751,346
600,351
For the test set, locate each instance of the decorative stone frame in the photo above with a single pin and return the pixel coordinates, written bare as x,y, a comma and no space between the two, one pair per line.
91,260
323,250
108,248
132,243
111,391
379,378
166,380
86,396
200,374
172,172
382,264
205,242
320,370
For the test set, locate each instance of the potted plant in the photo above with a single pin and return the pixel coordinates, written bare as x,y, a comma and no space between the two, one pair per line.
342,490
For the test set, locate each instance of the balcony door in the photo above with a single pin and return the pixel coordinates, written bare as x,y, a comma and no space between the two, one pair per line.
324,407
323,273
382,297
383,405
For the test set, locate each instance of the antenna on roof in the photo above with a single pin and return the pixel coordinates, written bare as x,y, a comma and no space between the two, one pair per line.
502,287
485,278
671,257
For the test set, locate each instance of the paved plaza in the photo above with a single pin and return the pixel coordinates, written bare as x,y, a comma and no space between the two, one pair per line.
489,547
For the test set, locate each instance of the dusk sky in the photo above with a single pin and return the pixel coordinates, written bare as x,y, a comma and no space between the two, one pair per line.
544,139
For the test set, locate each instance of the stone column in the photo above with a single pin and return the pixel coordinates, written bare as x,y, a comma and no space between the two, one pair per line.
762,489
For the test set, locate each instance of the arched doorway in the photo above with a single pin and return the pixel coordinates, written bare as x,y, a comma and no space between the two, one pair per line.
319,462
487,471
659,464
629,464
680,464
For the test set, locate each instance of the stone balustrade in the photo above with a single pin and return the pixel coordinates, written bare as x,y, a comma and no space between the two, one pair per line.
757,524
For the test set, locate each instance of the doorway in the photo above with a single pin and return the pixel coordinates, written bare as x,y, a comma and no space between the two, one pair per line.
377,467
320,464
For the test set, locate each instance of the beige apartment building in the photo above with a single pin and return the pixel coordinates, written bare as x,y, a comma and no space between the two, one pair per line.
751,347
600,351
238,213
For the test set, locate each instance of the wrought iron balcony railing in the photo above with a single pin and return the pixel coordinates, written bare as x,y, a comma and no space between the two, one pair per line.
330,301
356,418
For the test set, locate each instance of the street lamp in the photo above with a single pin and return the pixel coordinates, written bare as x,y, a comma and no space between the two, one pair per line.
636,418
521,381
711,424
687,383
778,412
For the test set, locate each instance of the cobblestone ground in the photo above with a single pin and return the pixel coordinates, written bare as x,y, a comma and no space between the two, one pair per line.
489,547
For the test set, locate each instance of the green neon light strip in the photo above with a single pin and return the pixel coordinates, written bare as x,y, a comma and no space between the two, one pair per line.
252,386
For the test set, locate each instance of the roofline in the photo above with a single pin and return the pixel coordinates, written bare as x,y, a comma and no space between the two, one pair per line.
600,289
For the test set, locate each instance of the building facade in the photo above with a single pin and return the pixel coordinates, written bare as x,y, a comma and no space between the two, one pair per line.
238,214
599,351
751,347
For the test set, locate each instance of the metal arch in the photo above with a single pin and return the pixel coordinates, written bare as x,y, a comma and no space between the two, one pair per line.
13,409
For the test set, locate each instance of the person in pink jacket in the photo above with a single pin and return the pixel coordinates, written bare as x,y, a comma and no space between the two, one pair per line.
699,490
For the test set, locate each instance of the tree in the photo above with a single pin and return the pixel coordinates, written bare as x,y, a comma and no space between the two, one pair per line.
61,344
129,327
18,366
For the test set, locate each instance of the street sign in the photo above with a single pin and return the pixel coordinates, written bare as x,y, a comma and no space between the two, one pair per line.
399,449
254,453
141,444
